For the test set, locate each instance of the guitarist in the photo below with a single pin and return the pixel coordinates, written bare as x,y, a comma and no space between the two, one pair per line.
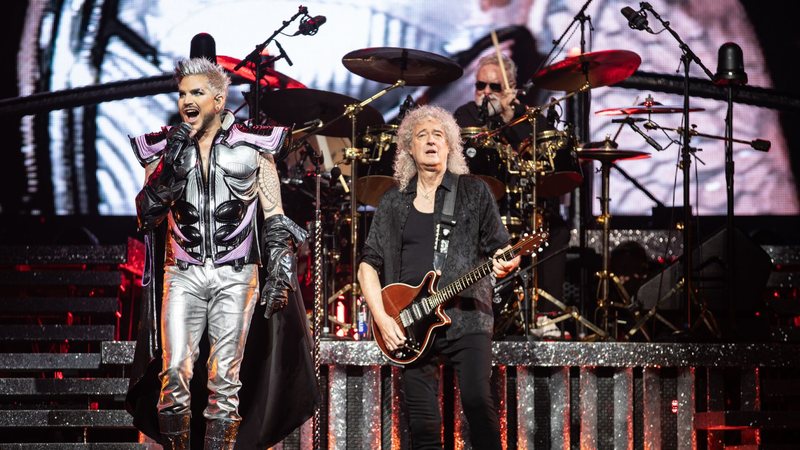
400,248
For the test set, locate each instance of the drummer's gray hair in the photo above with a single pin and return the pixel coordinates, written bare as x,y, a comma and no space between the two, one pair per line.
404,166
511,67
217,78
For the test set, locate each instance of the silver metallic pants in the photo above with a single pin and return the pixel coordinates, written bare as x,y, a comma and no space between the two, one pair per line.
222,300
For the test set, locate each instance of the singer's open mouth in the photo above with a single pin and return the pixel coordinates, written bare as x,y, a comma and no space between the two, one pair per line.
191,113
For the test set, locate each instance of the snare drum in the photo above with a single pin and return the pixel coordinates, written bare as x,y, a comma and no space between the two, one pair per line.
485,158
560,171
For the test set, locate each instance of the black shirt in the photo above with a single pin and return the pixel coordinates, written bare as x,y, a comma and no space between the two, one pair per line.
417,250
478,233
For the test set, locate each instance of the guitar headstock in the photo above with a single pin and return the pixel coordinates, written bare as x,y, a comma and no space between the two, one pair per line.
530,243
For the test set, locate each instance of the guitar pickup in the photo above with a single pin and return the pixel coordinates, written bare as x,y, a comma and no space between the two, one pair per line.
405,318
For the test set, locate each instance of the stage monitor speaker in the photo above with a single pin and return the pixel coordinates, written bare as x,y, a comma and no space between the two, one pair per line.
751,267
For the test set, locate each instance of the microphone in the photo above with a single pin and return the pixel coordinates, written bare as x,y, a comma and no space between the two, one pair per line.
310,26
483,110
283,53
552,115
408,103
632,122
637,20
178,136
336,174
761,145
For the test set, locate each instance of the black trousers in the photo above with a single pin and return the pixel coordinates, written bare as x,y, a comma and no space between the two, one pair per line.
471,358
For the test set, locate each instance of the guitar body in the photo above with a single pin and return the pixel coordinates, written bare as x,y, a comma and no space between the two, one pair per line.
398,297
419,310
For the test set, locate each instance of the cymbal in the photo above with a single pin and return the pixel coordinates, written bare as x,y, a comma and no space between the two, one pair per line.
644,109
370,189
604,68
269,77
389,64
611,155
298,106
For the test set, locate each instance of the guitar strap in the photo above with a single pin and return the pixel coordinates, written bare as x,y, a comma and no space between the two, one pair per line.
444,229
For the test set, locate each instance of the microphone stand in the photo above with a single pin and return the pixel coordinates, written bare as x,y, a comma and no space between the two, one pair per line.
255,58
686,159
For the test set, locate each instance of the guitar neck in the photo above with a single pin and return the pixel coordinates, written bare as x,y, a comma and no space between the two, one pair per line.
469,278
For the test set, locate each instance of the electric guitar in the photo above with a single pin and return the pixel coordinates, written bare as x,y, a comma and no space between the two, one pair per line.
420,311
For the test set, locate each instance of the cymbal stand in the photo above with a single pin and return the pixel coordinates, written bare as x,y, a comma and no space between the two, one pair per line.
653,312
354,155
569,312
532,292
605,274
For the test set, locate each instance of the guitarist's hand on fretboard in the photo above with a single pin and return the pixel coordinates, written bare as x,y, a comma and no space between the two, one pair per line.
392,334
500,267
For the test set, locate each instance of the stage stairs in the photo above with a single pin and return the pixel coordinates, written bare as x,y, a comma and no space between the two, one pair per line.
62,364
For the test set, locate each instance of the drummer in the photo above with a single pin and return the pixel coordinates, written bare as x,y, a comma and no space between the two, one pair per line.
494,105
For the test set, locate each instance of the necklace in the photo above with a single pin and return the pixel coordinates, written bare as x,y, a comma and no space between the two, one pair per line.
425,195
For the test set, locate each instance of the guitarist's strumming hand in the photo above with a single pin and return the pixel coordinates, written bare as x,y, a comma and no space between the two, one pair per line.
392,334
502,268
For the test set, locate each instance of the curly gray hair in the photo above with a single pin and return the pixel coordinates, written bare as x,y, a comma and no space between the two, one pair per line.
404,166
217,78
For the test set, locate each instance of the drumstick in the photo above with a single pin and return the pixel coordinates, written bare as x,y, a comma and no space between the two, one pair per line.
496,44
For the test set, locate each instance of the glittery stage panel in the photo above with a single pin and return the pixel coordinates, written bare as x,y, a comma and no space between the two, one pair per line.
561,395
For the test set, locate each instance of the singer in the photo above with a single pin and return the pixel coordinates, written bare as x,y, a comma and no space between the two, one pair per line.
208,180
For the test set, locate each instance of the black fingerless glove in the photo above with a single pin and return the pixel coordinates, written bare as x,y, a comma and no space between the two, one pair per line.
281,237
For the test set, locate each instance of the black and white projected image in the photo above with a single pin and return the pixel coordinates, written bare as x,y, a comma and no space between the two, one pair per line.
764,182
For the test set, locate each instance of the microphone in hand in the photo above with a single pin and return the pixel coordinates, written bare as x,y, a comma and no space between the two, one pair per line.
176,138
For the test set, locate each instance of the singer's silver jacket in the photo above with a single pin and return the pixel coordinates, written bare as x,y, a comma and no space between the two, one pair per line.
215,218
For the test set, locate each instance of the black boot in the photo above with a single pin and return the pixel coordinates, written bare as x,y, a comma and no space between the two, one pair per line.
221,434
175,431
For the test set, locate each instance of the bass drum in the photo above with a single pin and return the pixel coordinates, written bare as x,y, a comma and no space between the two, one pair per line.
556,162
486,158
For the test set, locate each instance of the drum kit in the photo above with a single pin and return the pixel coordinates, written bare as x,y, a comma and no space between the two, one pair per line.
547,164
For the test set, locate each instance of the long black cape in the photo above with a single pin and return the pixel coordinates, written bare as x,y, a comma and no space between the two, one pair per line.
279,389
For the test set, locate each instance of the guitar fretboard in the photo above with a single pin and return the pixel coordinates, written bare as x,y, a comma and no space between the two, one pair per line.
478,273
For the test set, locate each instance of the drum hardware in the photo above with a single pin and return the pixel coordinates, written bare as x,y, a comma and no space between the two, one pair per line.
485,159
607,156
269,77
649,106
761,145
601,68
414,67
376,176
530,170
653,312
